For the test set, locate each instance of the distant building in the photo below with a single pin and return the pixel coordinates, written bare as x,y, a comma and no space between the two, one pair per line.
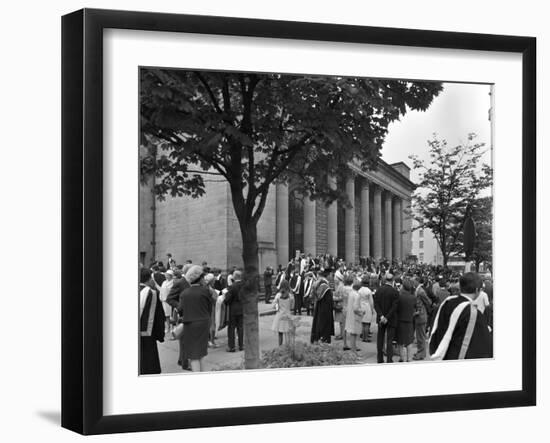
206,228
425,246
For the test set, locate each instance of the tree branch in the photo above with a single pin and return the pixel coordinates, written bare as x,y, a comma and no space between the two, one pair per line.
210,92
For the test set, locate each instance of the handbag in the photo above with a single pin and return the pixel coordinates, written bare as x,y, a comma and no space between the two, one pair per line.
178,331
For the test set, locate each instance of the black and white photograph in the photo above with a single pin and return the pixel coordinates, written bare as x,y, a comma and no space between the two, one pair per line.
301,220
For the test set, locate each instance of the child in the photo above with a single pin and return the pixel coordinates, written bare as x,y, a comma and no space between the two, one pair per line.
283,303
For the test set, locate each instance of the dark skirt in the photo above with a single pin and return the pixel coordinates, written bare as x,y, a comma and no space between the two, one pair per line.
149,362
405,333
195,339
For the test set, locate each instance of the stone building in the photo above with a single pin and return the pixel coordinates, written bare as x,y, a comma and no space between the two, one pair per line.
425,246
206,229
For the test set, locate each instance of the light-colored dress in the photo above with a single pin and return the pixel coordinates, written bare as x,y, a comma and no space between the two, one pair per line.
354,314
164,291
365,295
283,317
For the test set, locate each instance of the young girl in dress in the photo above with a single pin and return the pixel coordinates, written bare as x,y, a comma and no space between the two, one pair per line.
284,304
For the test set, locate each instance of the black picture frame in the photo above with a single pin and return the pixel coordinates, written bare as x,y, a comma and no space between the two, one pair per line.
82,219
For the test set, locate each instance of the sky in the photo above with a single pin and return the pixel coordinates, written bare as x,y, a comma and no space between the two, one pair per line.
458,110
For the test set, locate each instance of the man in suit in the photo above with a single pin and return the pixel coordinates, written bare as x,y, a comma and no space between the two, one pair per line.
460,330
173,299
234,303
385,304
297,291
219,281
268,282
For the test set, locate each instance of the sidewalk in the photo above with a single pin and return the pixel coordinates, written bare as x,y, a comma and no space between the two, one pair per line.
218,358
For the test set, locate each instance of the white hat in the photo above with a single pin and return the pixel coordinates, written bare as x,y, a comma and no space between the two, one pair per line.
194,273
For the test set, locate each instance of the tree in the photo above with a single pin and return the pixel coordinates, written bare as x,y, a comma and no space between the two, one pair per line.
253,130
482,214
449,184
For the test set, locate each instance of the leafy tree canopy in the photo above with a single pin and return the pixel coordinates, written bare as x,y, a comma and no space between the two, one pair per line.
254,129
450,185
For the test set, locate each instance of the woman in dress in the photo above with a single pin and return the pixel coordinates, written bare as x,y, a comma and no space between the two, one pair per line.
406,307
367,306
195,307
283,303
354,315
340,307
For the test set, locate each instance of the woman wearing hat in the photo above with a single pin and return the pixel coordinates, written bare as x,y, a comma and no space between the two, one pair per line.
195,307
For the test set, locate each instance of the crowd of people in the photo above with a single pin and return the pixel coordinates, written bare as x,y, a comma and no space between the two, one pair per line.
446,313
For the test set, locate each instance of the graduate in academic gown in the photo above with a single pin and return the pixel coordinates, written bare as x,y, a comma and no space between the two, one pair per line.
460,330
322,327
151,324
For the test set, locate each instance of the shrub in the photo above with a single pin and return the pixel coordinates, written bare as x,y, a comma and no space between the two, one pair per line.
305,354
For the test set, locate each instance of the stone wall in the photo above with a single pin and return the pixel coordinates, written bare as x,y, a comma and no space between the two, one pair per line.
145,228
194,228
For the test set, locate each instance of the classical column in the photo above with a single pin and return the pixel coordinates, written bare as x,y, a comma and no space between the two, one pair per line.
365,220
388,228
281,228
350,221
397,228
332,227
377,224
310,233
406,228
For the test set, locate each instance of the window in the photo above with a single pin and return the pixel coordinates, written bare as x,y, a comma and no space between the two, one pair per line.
421,233
421,256
421,244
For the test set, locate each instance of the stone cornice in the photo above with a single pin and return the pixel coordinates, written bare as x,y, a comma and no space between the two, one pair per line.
387,178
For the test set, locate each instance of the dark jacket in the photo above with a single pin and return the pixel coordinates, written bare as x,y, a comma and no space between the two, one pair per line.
220,284
423,306
195,304
268,277
159,277
385,303
406,306
233,299
173,297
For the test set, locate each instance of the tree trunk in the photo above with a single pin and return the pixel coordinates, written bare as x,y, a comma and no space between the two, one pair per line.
250,296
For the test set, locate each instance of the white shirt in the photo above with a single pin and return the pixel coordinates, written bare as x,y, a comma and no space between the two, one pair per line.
165,289
482,301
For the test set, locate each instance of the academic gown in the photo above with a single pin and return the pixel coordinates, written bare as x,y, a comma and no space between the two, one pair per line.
151,330
322,327
448,336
